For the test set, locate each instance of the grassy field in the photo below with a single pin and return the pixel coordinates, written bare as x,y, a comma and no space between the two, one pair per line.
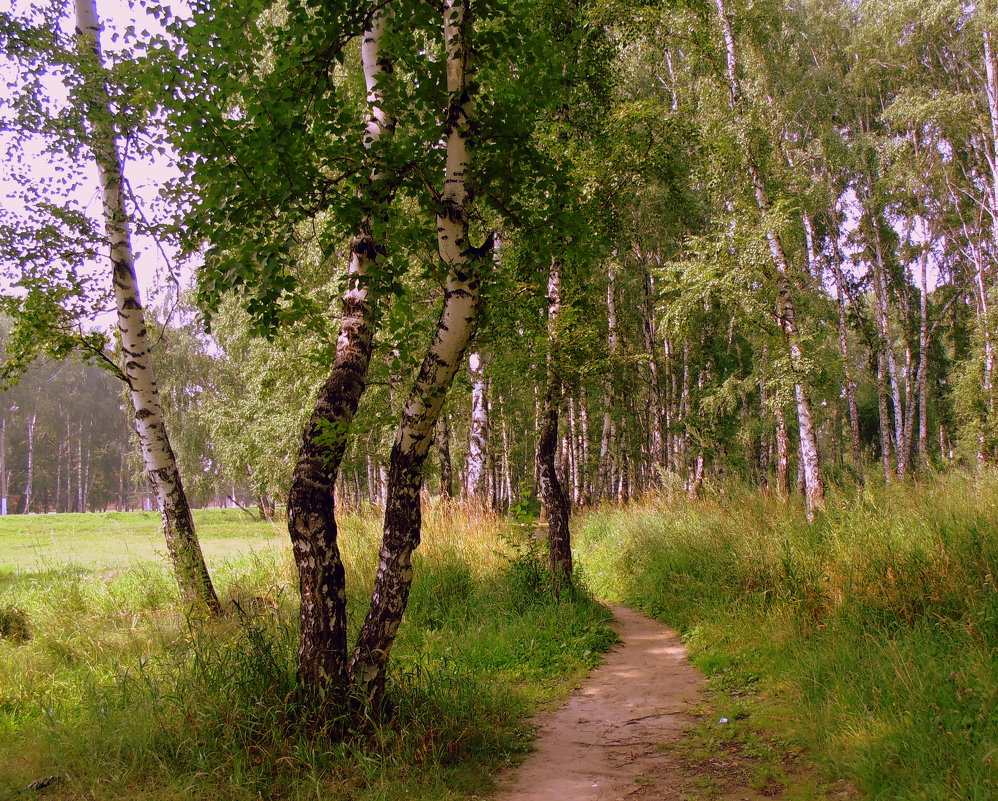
869,636
108,690
110,540
866,639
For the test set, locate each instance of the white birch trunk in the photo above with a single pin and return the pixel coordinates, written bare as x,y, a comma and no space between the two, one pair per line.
478,430
29,483
923,364
457,318
786,308
157,454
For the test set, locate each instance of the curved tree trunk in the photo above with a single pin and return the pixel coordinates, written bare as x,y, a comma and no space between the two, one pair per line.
322,649
161,465
403,519
552,491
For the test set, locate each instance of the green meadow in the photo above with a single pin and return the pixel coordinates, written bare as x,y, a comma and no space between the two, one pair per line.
854,656
110,692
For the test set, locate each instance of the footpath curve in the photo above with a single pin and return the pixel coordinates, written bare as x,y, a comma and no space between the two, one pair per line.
610,740
605,743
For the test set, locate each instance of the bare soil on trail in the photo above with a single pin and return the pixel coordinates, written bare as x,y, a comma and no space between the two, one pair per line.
614,740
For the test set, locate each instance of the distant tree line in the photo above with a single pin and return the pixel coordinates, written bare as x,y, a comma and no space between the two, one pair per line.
64,442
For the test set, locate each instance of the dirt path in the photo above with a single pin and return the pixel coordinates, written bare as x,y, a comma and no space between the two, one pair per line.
605,743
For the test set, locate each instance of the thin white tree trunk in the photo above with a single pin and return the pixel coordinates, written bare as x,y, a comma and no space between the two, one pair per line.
881,303
478,430
3,463
31,463
923,364
886,439
657,406
991,90
855,443
607,477
786,308
157,454
586,489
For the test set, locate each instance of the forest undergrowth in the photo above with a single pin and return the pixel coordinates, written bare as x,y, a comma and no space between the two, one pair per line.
868,636
108,692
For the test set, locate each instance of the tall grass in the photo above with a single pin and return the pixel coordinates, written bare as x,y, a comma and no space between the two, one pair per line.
117,696
875,628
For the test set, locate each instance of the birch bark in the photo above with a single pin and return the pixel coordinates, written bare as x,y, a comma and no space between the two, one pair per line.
606,479
923,364
855,443
443,451
881,302
160,463
477,483
4,472
657,409
552,492
322,649
403,517
29,483
886,437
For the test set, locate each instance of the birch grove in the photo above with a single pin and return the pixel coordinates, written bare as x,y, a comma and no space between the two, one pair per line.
741,245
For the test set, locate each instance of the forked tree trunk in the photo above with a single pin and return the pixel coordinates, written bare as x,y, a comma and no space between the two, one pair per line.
322,649
161,465
814,492
403,517
552,491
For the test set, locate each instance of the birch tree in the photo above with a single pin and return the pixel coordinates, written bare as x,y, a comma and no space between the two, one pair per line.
99,126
